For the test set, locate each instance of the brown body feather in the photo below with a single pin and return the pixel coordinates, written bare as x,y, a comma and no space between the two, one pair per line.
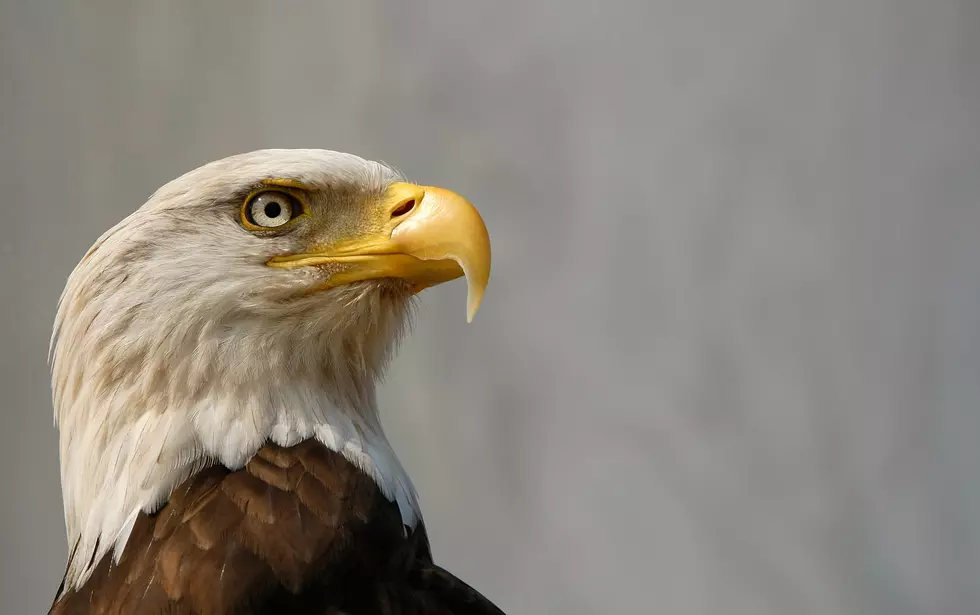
299,530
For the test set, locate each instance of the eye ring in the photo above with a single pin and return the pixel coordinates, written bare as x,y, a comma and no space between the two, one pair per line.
270,210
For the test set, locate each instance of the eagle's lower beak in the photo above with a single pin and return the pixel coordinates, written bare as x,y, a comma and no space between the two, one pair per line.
427,236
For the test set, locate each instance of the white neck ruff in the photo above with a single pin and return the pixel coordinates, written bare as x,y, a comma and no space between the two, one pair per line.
111,475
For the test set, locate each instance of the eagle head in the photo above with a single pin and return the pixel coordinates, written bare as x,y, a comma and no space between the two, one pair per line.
257,298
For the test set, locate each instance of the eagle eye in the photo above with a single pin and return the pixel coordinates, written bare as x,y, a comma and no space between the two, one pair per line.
270,209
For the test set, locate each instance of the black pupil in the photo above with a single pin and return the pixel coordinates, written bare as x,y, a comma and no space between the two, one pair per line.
273,209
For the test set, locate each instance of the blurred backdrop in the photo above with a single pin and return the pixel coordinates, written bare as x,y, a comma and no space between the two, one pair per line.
729,359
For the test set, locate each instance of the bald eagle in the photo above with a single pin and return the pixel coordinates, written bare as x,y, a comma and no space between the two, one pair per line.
214,363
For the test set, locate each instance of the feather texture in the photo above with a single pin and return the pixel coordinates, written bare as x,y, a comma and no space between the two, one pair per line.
299,530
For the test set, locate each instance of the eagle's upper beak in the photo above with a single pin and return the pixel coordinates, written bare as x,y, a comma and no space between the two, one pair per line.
426,236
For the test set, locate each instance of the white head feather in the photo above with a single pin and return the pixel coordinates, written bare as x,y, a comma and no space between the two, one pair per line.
175,346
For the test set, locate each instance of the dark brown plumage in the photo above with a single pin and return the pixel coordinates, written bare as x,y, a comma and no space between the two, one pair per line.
299,530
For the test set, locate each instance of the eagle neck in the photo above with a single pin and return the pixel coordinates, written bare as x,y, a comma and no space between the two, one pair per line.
115,472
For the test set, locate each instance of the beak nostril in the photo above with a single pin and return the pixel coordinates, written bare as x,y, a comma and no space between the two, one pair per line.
404,208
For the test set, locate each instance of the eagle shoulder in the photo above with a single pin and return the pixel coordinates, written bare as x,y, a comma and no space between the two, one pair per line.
298,530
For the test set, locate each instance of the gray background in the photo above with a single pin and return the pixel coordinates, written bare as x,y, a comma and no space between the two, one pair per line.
729,360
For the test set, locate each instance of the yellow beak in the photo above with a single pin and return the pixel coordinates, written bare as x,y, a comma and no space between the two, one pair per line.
427,236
